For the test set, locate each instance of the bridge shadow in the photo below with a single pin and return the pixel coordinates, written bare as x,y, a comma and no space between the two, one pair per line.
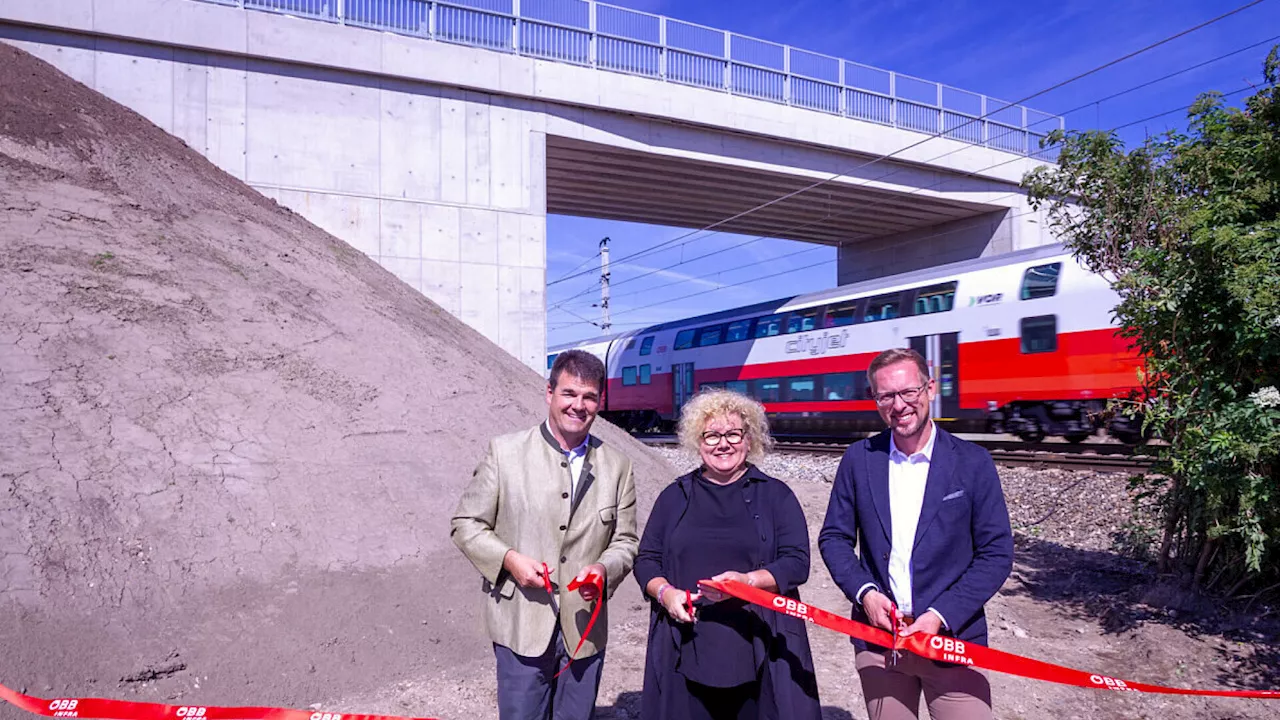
627,707
1124,593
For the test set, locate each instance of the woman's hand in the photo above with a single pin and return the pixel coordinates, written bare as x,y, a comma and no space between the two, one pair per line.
715,595
677,603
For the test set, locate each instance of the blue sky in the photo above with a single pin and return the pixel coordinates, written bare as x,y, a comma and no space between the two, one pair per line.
1001,48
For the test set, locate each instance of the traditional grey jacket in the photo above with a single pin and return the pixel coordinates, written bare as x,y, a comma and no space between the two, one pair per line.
519,498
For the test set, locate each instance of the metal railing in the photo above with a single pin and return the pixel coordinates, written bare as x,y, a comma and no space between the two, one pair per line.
608,37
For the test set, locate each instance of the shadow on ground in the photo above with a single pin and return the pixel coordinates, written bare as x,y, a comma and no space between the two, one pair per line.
627,707
1124,593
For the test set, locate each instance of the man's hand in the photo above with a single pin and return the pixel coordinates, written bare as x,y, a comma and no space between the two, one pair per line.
526,571
876,604
588,591
927,623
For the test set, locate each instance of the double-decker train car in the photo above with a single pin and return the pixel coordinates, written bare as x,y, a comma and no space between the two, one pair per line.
1023,343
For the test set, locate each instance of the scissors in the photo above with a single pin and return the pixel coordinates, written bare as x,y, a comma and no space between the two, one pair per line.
551,591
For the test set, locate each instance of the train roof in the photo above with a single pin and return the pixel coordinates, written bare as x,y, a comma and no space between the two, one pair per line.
915,277
937,273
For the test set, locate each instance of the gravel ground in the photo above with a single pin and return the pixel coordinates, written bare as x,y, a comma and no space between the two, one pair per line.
1086,510
1078,595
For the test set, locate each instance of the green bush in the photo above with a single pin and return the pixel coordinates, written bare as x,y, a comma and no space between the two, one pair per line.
1186,229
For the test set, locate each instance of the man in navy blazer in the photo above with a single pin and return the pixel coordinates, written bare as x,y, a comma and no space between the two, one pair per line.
927,513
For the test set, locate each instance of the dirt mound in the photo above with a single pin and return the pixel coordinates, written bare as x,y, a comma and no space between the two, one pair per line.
230,443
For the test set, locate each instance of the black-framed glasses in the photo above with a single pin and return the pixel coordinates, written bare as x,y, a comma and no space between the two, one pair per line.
908,396
711,438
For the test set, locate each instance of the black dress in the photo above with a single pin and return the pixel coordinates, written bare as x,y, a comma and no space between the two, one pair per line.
738,661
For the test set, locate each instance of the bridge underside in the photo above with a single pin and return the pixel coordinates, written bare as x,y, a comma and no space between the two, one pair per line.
592,180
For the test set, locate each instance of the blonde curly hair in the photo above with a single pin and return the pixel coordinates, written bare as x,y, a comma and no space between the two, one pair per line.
708,404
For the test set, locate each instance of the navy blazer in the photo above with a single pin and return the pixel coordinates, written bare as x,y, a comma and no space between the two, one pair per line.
963,548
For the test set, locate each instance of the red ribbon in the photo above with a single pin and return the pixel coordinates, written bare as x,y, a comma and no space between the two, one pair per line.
946,649
593,578
124,710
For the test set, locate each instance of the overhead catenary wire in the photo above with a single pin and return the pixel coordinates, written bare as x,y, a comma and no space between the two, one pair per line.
863,207
934,136
824,262
578,267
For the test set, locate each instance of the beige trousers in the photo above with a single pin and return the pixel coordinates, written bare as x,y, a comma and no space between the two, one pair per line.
892,692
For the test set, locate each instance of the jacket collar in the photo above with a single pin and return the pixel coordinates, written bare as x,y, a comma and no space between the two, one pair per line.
591,442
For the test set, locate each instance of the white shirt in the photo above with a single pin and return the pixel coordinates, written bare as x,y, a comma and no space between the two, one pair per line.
908,475
577,457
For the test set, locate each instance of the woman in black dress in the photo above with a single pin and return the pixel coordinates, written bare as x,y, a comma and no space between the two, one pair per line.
711,655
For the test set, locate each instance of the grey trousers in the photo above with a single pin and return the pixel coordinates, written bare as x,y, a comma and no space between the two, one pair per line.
529,690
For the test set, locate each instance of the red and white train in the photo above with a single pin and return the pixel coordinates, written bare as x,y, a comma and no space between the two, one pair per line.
1022,343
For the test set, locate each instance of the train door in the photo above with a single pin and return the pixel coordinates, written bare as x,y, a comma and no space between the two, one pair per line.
941,352
681,385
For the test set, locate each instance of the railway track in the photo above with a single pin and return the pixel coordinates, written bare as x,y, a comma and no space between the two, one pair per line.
1097,457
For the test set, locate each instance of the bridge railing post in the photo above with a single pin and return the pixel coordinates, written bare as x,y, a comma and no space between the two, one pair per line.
1026,133
515,26
986,125
893,98
662,47
842,94
594,39
728,61
942,114
786,74
342,12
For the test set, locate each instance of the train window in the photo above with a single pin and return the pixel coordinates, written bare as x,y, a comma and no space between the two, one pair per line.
740,330
935,299
739,386
843,386
1040,281
630,344
768,326
802,320
684,339
883,307
768,390
646,345
645,375
551,360
802,388
1039,334
629,375
710,335
841,315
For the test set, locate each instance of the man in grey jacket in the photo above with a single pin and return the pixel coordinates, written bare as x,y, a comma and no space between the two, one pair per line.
547,505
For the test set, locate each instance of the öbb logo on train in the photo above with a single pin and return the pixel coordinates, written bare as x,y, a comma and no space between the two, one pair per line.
952,650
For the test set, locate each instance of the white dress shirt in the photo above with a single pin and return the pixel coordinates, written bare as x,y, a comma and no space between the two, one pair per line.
577,457
908,475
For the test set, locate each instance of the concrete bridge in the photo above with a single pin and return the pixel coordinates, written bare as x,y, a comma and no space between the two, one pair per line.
436,136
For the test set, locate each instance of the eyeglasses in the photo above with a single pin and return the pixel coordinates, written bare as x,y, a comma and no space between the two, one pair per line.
712,438
908,396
